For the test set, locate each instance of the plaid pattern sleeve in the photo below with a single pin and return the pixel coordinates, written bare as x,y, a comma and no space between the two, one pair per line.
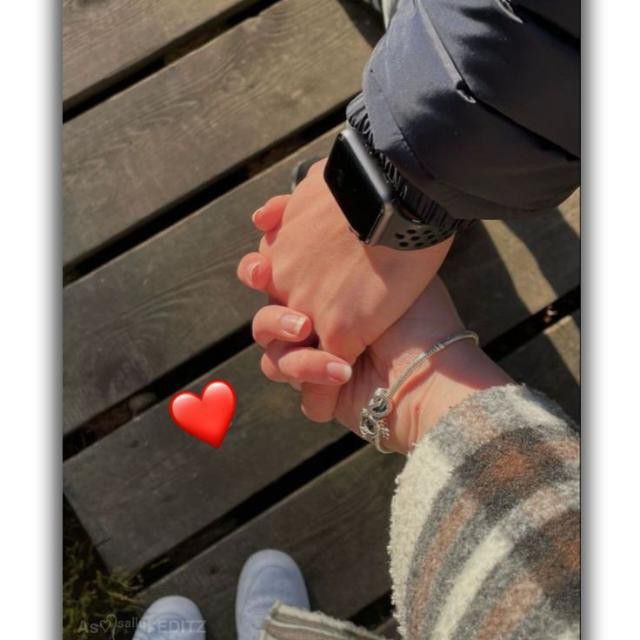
485,528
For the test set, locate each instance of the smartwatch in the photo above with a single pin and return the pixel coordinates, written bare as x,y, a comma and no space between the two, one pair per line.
380,210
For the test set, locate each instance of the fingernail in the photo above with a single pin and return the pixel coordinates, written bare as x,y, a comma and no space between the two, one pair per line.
338,371
292,323
253,270
256,213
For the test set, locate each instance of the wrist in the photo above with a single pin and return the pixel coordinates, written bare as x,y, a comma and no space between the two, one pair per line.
446,380
427,260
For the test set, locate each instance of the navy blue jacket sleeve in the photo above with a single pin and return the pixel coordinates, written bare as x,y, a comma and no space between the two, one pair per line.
477,102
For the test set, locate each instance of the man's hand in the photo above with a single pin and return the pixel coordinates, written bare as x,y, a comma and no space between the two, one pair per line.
310,261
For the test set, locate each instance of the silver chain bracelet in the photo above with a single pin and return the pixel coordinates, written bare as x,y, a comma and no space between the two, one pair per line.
373,418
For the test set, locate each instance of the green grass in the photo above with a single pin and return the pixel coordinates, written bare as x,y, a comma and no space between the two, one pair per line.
97,604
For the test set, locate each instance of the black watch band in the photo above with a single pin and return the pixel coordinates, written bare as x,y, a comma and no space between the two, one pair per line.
423,222
407,234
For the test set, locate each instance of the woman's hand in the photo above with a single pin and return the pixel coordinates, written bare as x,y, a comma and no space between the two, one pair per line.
441,382
309,260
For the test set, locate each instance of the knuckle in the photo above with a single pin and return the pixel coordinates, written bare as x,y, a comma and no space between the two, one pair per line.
342,338
277,201
268,368
336,335
293,367
311,412
297,370
316,167
318,402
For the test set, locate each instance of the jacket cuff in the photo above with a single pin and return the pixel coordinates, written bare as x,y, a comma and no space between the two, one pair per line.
420,205
358,118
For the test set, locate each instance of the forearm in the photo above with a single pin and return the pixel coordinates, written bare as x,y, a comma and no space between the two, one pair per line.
485,522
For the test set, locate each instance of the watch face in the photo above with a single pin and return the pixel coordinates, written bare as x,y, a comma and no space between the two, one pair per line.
353,188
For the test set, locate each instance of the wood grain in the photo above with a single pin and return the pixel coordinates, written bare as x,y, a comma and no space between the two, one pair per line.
101,41
149,485
551,363
105,482
188,125
327,524
335,528
515,267
156,306
159,304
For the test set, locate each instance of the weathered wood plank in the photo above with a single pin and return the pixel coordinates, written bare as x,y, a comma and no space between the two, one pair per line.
551,363
154,472
168,299
103,40
327,524
139,316
516,267
152,485
104,494
191,123
335,528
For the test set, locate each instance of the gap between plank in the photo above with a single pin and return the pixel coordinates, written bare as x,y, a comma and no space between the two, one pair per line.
328,457
524,331
375,613
198,37
323,461
252,507
205,195
163,387
179,377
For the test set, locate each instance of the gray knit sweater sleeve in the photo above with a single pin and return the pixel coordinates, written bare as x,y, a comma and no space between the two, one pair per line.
485,528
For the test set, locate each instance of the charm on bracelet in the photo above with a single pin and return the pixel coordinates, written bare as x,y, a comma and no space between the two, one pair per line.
373,423
373,418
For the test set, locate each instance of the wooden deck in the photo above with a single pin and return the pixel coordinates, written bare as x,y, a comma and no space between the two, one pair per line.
181,117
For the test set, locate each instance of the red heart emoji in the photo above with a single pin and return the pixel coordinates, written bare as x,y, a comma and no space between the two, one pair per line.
207,417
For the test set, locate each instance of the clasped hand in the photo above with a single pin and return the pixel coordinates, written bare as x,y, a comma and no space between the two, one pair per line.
344,318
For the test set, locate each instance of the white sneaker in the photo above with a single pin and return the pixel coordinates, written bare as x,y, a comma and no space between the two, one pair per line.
267,577
171,618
